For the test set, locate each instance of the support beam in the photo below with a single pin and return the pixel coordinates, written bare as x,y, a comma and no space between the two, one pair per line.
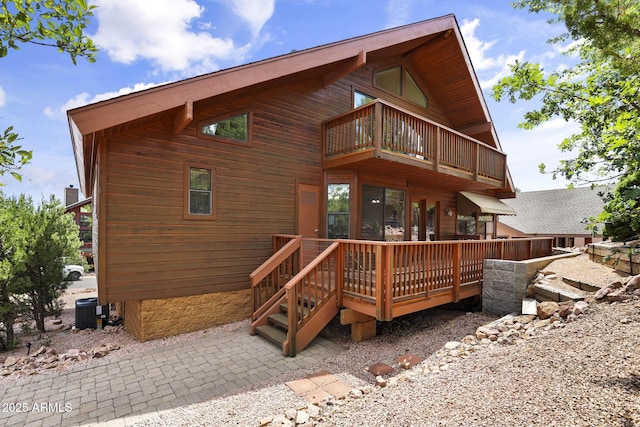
474,130
183,117
345,69
349,316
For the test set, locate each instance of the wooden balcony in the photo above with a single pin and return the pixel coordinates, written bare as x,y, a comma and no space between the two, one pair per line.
306,281
380,130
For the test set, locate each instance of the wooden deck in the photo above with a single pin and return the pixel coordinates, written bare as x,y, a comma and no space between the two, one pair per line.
311,279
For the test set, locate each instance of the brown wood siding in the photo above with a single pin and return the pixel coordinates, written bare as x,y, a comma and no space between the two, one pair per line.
153,252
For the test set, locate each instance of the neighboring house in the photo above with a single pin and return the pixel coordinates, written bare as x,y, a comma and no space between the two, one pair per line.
562,214
370,138
81,210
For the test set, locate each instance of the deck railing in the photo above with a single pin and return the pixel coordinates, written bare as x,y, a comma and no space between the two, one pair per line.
381,126
380,275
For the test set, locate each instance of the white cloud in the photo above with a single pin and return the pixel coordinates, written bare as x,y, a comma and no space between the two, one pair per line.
480,57
84,99
398,12
526,149
255,12
161,31
3,97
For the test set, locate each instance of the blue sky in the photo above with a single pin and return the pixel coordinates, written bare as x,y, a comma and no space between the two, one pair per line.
148,42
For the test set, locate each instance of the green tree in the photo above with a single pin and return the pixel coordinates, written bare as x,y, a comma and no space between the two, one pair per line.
601,93
40,238
52,237
54,23
12,239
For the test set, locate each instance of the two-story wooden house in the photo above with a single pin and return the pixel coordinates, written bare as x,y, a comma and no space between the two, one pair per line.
383,139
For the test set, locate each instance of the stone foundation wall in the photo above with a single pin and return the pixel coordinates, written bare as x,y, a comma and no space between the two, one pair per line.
504,283
159,318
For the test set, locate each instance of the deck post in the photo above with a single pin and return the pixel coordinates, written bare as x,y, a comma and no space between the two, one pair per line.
389,255
292,314
339,273
457,262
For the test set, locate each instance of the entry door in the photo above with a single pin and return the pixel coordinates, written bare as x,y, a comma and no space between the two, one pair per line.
308,210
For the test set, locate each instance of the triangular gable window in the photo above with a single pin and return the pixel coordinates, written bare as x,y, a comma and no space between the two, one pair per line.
392,81
413,92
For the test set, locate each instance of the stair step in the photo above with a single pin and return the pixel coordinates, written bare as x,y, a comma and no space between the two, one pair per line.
285,308
273,334
280,319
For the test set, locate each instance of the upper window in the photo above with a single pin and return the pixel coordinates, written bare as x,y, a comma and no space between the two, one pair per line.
413,92
360,99
392,81
235,128
199,186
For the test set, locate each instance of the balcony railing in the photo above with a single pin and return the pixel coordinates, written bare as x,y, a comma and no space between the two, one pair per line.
380,128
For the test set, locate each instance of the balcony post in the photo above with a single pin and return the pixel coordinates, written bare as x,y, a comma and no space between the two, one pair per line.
378,130
476,154
438,147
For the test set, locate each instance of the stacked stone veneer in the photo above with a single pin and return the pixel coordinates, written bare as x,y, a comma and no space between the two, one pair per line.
504,284
159,318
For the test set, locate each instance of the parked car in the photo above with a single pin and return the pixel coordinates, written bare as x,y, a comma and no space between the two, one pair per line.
73,272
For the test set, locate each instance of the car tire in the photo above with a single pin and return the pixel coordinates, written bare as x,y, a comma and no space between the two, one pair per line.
74,275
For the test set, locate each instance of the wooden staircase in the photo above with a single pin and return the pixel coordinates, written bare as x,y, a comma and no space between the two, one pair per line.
294,313
278,327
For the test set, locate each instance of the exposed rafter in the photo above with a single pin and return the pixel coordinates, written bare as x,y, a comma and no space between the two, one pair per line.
347,68
183,117
474,130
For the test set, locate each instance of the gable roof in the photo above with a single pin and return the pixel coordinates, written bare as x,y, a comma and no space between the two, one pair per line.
434,47
557,212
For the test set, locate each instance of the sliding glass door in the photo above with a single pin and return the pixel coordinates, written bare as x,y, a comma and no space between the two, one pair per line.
383,214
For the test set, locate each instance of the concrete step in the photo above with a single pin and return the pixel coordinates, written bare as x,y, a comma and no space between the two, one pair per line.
550,293
580,285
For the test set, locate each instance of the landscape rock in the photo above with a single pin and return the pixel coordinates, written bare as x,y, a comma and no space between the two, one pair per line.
10,361
546,309
47,358
633,283
580,307
565,310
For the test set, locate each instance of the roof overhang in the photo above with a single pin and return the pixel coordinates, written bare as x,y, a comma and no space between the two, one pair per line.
488,204
88,124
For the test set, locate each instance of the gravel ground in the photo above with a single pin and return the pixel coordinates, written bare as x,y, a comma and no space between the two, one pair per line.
584,374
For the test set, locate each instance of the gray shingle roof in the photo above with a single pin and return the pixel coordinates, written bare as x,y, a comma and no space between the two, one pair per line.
553,211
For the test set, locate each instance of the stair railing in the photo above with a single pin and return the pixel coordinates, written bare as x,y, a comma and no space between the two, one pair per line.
268,280
316,286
